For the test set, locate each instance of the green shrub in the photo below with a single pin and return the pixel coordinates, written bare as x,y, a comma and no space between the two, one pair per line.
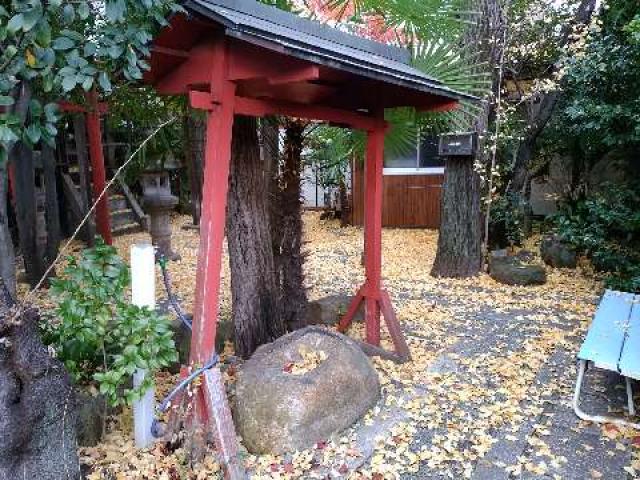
506,227
100,336
606,228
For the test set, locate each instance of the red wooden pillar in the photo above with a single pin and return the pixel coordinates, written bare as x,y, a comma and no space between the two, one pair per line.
212,409
98,173
376,299
373,233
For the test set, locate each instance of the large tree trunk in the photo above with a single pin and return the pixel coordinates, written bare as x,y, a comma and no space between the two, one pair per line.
52,210
195,133
255,296
25,191
290,259
459,242
37,405
459,251
7,256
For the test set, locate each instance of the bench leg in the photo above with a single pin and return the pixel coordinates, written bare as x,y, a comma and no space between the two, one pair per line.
632,408
582,366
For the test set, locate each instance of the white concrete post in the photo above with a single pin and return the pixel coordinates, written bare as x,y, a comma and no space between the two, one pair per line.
143,294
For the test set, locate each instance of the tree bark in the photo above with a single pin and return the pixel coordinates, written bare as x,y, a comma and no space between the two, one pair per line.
459,251
52,210
290,259
34,264
459,244
255,294
7,254
37,405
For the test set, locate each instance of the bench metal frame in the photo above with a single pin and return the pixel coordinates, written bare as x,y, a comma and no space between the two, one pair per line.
611,344
582,368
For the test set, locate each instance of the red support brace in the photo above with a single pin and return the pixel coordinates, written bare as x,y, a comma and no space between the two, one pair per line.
375,298
98,173
212,409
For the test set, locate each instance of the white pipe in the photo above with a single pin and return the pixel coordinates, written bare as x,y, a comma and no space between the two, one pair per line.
143,294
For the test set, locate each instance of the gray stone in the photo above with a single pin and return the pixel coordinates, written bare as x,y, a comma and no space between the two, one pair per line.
512,271
328,310
277,411
91,410
558,254
37,407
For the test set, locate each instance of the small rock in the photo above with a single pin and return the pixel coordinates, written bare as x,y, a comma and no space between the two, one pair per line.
511,271
281,406
91,416
557,253
329,310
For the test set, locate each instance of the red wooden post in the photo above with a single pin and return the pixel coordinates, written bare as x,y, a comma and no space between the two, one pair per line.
373,232
212,408
98,173
376,299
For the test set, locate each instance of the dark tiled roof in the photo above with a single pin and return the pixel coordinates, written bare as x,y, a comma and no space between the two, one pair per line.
322,44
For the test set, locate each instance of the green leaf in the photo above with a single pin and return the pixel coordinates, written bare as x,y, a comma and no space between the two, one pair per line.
33,133
87,83
16,23
68,13
6,101
115,10
84,11
51,112
43,34
63,43
105,83
69,83
31,18
7,135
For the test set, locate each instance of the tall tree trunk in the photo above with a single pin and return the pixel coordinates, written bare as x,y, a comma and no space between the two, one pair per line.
52,210
459,244
7,255
34,263
195,133
459,251
255,294
290,256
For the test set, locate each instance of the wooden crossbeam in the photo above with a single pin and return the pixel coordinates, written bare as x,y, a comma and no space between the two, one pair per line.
263,107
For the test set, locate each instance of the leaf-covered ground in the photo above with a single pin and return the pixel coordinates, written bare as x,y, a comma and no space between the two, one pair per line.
486,396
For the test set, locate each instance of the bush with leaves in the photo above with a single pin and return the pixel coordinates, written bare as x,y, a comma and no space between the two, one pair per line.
506,228
100,336
606,228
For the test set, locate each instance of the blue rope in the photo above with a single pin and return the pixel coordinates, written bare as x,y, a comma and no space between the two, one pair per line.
157,430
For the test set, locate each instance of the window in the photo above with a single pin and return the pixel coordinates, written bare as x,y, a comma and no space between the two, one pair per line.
421,160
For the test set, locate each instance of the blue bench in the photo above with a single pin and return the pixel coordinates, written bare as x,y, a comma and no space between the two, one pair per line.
612,343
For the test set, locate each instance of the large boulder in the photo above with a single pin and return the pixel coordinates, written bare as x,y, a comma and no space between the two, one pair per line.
37,406
557,253
329,310
511,270
301,389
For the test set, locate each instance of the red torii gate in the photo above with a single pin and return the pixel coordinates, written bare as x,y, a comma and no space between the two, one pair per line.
238,57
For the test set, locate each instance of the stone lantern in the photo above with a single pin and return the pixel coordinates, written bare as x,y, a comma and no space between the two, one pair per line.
159,202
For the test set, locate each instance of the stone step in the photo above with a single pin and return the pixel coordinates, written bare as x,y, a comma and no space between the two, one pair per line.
126,229
117,202
122,217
